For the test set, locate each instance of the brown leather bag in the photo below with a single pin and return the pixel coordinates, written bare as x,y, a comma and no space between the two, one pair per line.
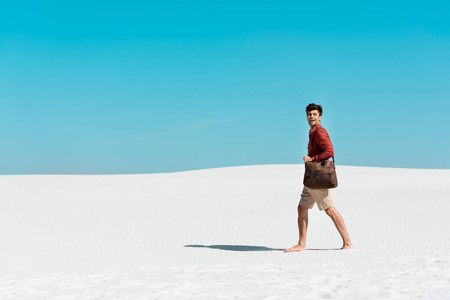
320,175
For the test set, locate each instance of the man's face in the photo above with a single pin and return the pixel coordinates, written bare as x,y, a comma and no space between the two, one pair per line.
313,117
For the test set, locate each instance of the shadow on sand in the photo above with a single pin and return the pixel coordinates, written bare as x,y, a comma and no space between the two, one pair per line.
248,248
235,247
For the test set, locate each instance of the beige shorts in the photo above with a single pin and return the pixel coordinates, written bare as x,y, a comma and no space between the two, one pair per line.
321,197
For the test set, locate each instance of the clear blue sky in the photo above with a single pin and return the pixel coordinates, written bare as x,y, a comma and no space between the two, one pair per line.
105,87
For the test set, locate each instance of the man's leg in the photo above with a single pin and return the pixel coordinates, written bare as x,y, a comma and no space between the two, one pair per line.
302,227
339,223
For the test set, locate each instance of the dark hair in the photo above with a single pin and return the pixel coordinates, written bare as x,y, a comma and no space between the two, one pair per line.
313,106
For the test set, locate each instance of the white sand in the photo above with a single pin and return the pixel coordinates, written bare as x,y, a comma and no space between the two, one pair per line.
220,233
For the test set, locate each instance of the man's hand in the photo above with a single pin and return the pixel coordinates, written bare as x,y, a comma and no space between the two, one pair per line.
307,158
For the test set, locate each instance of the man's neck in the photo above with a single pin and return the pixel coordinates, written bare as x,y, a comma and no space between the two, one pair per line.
312,127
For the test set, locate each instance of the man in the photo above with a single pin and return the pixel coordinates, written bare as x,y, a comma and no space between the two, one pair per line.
319,149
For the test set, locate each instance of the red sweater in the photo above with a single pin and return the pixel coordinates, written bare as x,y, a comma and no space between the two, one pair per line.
319,146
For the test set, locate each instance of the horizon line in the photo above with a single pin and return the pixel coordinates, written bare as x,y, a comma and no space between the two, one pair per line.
210,168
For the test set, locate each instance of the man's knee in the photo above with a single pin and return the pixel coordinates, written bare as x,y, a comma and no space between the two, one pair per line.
330,211
302,209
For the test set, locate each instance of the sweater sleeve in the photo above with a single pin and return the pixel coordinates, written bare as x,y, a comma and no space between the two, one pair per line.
323,139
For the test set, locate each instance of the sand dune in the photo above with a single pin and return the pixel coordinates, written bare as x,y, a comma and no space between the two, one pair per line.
220,233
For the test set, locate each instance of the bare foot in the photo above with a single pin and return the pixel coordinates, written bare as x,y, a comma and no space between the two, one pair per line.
350,246
296,248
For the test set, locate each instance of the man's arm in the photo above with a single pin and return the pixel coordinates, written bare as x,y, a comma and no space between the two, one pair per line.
322,138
